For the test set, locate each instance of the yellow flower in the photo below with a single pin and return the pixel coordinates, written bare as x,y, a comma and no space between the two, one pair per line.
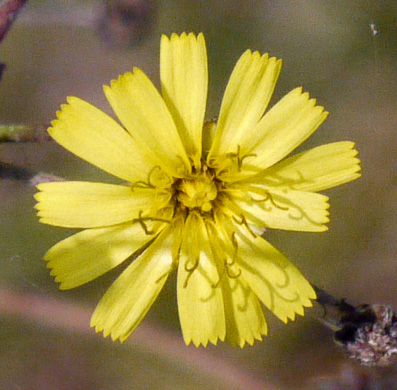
199,195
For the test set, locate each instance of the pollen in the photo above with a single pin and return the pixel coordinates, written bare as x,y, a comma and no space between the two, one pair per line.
198,192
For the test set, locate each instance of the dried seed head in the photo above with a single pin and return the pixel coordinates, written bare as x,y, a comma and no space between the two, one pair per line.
367,332
373,343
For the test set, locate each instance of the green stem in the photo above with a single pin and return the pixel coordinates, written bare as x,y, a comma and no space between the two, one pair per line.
24,133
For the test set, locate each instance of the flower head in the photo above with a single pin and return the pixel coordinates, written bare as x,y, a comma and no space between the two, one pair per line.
198,195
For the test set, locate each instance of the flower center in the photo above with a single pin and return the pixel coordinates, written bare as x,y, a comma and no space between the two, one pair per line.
198,192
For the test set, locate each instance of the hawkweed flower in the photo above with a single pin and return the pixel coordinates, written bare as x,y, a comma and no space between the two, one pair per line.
198,195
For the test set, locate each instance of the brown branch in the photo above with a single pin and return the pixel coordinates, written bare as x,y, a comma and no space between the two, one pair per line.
24,134
15,172
9,10
10,171
72,317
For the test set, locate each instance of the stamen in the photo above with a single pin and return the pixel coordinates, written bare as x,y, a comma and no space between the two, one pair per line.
190,271
215,285
142,184
246,156
233,260
230,275
270,198
227,271
149,179
240,158
245,223
144,227
234,241
141,220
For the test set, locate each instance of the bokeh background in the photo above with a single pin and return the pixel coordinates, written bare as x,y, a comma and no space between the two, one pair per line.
343,52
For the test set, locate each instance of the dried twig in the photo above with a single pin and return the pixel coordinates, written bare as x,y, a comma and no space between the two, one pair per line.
11,171
9,10
24,133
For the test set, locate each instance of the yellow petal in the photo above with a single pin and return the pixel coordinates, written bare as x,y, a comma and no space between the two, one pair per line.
287,210
273,278
316,169
246,97
200,302
245,321
144,114
130,297
290,122
184,81
92,135
208,135
244,315
91,253
88,205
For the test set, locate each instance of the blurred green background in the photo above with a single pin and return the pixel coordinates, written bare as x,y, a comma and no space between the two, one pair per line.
57,48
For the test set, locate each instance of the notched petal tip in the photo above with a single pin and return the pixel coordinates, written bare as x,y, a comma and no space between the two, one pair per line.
278,61
203,342
63,284
37,196
276,64
250,341
175,36
94,323
297,91
54,122
165,39
52,272
63,106
292,316
192,36
256,55
116,337
320,228
106,332
298,311
197,39
247,53
305,96
73,100
66,107
125,77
